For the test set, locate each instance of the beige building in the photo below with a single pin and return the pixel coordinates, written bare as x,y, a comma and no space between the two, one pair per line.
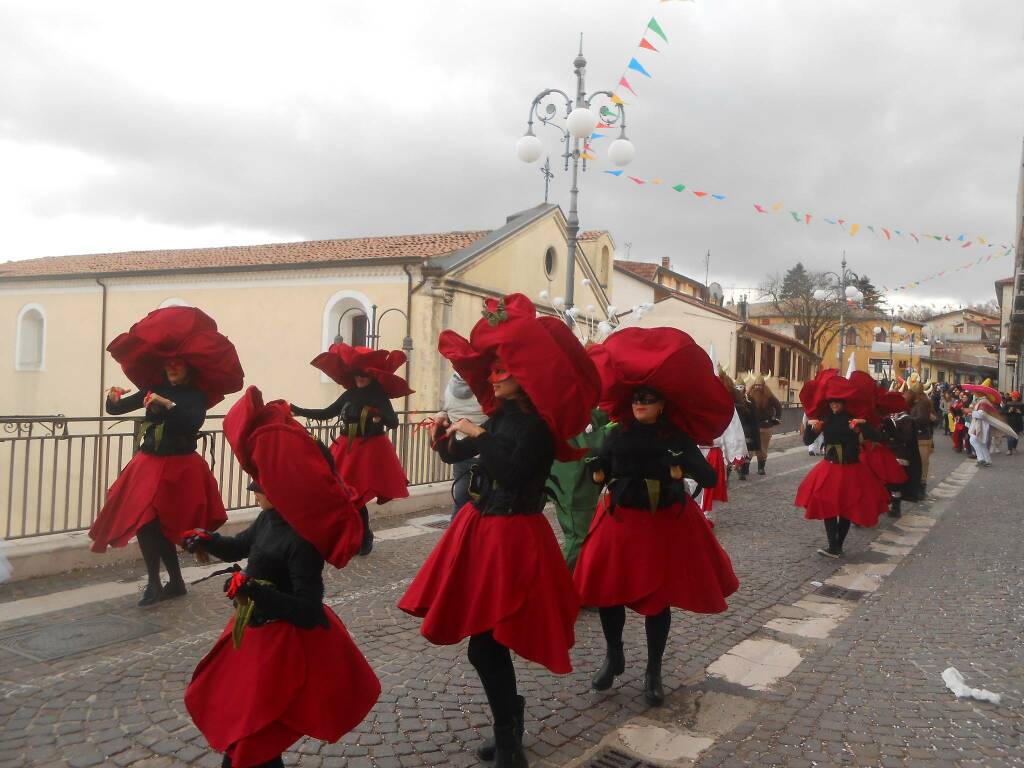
281,304
1008,376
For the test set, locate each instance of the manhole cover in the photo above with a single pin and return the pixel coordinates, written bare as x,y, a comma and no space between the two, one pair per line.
828,590
59,640
613,758
439,524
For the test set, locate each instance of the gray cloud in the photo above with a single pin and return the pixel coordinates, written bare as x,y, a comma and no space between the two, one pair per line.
357,119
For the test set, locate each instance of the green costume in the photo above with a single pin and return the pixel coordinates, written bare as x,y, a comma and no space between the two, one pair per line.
574,491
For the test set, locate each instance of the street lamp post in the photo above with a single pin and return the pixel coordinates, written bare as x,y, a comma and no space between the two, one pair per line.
580,123
844,292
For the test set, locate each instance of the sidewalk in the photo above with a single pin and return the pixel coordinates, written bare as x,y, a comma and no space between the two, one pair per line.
101,683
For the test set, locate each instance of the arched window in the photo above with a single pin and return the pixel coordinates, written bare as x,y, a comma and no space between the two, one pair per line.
346,319
881,335
851,337
604,265
30,345
550,262
173,302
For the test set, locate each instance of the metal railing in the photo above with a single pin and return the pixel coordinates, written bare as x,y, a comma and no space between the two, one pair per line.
55,470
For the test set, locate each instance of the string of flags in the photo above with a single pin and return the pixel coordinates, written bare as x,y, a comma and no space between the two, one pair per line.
943,273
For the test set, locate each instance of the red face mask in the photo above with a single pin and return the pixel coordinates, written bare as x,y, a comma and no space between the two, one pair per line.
499,373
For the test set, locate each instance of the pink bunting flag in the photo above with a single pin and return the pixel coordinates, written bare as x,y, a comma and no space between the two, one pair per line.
842,223
807,218
967,244
625,84
636,180
645,44
916,238
759,209
888,236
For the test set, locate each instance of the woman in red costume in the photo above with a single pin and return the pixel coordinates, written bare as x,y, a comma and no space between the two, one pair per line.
363,453
841,490
649,546
497,575
285,666
182,366
880,457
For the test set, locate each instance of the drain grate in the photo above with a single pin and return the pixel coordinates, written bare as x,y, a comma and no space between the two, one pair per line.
829,590
57,641
439,524
613,758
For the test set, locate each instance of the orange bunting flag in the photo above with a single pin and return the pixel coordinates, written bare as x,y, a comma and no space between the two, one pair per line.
853,229
647,45
625,84
759,209
776,207
617,100
656,181
588,156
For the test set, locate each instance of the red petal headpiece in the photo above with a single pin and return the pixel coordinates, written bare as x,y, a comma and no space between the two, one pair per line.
541,353
341,361
288,465
671,362
829,385
179,333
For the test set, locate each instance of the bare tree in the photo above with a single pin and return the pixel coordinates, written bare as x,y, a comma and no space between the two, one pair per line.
816,322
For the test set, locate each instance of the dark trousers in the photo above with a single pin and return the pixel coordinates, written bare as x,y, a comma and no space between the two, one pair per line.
493,663
836,529
155,547
613,619
460,484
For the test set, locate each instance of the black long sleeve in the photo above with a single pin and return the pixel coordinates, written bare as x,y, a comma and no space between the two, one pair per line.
512,463
303,606
450,450
683,452
126,404
322,414
171,431
230,549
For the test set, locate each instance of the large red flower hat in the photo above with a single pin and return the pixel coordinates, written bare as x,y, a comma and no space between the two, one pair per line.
287,464
672,363
881,401
829,385
179,333
541,353
342,361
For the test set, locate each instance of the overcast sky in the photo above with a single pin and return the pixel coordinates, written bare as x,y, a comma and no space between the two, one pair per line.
132,125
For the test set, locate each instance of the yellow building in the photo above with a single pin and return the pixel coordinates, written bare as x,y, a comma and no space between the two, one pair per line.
281,304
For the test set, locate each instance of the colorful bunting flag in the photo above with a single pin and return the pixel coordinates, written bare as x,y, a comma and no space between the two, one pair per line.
614,173
656,28
625,84
759,209
853,229
636,66
647,45
679,187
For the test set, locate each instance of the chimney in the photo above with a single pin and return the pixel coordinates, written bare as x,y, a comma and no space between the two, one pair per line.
741,309
666,263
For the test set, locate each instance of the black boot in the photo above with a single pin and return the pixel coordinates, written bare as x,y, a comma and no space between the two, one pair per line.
152,595
614,664
760,466
653,691
744,470
486,750
508,752
895,508
367,546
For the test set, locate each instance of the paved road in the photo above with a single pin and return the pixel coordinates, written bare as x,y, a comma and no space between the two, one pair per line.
866,693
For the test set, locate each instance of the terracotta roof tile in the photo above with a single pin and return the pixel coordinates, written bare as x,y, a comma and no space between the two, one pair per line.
281,254
592,234
644,269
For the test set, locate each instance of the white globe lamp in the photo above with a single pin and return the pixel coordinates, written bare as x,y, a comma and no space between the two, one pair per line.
529,148
621,152
581,122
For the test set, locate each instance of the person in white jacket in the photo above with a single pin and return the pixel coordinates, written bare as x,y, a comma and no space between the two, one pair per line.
461,403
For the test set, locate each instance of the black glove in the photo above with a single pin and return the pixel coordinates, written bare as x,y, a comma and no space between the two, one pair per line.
195,538
347,413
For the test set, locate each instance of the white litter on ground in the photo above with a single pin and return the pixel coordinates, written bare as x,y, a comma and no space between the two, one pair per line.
958,685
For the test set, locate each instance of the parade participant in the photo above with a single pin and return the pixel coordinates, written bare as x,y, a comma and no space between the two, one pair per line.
957,411
901,436
460,403
748,420
364,455
572,490
924,425
840,490
182,366
284,666
649,547
887,459
768,413
1013,412
497,575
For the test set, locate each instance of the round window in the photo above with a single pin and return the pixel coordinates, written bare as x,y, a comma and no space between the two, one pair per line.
550,261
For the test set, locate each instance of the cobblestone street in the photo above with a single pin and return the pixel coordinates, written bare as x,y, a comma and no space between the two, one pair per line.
817,662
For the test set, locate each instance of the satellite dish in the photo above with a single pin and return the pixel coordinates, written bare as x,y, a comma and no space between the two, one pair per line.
716,293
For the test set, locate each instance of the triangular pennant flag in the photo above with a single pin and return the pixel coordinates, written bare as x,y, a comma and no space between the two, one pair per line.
602,125
654,27
718,197
635,179
888,236
656,181
647,45
842,223
831,221
700,194
807,218
588,156
679,187
872,230
625,84
982,240
636,66
614,173
616,100
795,215
961,238
853,229
966,245
594,136
916,238
776,207
759,209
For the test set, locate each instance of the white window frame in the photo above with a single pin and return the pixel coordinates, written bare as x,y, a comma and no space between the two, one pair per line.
18,339
327,331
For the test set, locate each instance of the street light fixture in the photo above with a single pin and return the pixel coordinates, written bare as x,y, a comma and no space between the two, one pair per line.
844,293
580,122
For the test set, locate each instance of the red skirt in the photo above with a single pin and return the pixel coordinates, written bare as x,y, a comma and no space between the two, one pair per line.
179,491
370,467
842,490
281,684
721,490
883,462
503,573
652,561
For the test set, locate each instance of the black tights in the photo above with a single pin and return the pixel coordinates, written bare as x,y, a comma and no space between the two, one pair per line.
493,662
613,619
277,762
155,547
836,529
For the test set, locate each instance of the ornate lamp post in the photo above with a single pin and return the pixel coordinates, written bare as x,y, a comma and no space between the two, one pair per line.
845,293
580,122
